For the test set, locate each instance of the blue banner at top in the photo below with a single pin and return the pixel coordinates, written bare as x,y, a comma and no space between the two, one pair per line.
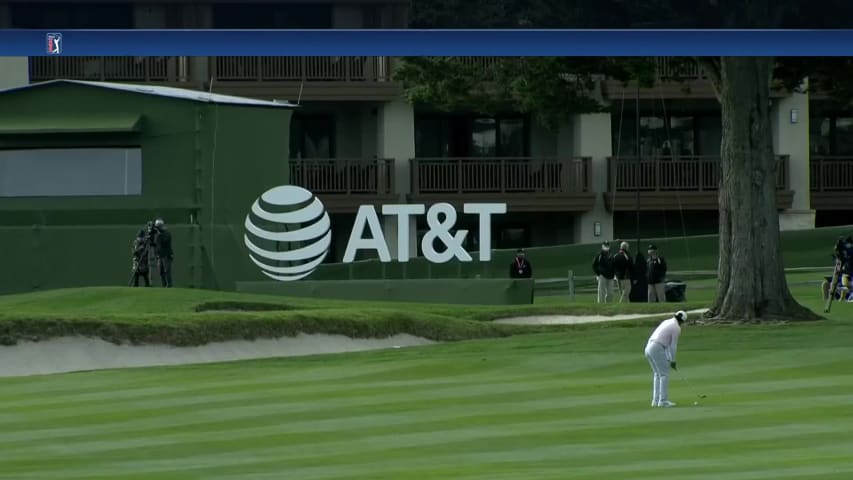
528,43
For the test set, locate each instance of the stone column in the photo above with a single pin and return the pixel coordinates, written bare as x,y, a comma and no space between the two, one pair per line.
396,141
790,123
591,137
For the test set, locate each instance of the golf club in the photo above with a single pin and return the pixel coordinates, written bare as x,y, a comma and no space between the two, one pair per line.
690,386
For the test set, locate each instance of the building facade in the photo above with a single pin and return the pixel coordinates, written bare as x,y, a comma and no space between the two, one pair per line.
355,140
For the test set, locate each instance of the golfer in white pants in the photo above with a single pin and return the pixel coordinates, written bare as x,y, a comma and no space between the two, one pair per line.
660,352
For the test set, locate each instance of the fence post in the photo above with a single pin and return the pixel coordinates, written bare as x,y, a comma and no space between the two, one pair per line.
571,285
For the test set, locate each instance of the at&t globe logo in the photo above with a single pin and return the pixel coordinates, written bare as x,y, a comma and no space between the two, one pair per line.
288,233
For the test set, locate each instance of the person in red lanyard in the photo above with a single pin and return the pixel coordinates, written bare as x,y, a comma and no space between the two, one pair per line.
520,267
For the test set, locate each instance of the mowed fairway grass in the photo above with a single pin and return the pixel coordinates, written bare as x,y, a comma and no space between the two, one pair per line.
571,404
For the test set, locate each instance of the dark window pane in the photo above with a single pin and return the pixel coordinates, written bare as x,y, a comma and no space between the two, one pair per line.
484,137
652,136
248,16
679,142
512,141
820,139
64,15
710,131
312,136
431,137
843,136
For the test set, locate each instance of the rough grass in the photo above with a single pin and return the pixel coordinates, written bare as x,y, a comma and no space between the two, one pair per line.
551,406
195,317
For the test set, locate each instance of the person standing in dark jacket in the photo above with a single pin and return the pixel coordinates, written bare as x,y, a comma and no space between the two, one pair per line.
657,275
140,259
602,266
520,267
163,250
623,267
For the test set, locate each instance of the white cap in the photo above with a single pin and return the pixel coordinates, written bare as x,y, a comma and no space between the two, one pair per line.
624,246
681,315
159,222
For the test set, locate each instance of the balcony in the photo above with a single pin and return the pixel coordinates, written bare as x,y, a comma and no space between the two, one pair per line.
164,70
688,183
831,181
675,80
306,78
292,78
343,184
526,184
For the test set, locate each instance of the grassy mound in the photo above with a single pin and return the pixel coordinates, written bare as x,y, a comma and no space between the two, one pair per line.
195,317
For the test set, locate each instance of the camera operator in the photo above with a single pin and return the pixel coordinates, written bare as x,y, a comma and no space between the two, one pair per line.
162,239
140,251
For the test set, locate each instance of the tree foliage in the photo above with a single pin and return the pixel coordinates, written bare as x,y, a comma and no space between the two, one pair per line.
547,87
552,88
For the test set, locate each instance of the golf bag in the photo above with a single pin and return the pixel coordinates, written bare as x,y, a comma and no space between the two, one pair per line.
833,287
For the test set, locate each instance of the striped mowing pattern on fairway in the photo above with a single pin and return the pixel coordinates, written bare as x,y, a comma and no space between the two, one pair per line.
573,405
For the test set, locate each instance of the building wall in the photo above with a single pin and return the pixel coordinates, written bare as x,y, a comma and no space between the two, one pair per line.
14,72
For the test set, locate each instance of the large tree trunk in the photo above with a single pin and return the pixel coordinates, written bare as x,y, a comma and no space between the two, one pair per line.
752,285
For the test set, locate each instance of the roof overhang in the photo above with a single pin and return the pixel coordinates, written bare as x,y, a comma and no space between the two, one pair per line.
65,123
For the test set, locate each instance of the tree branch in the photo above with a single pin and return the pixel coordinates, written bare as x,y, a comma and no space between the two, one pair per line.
713,68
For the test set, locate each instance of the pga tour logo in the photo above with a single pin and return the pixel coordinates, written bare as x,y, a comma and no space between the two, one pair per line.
288,232
54,43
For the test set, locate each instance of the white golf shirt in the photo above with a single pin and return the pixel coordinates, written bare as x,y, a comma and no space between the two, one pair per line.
666,335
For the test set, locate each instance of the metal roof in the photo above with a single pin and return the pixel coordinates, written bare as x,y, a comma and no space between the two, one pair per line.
171,92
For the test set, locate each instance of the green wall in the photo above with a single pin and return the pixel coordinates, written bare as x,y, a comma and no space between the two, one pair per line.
200,160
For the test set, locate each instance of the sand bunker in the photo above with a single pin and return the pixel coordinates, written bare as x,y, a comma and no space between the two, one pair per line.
72,354
575,319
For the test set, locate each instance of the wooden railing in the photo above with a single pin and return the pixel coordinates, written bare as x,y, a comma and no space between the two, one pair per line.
344,176
668,68
162,69
831,174
690,174
371,69
177,69
500,175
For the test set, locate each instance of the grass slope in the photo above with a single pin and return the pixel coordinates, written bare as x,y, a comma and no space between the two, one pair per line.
194,317
551,406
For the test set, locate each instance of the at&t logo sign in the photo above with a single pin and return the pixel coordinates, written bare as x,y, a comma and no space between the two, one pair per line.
282,217
288,232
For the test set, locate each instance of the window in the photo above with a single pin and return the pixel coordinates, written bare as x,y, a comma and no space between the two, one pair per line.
512,132
431,137
71,172
668,137
312,136
831,135
680,138
262,15
438,135
709,131
484,142
844,136
820,136
65,15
